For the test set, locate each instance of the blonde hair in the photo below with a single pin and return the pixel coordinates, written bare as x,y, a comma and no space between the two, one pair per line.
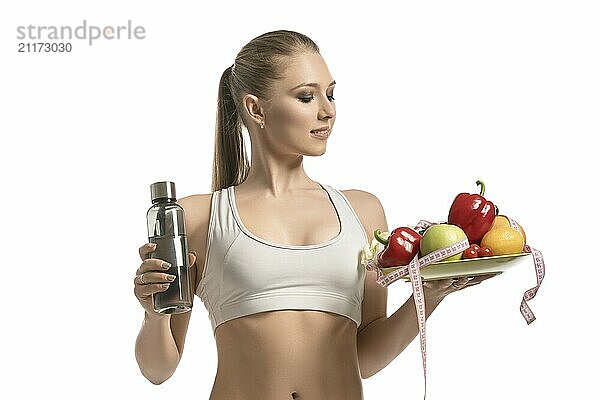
257,66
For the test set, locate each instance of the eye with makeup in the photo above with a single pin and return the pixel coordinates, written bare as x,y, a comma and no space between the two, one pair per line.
307,97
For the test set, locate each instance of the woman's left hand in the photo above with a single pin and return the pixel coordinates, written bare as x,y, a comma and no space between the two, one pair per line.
439,289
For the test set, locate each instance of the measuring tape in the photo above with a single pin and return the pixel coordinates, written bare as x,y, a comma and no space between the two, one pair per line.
413,269
540,271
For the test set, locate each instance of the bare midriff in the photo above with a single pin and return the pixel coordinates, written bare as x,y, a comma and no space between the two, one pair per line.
287,354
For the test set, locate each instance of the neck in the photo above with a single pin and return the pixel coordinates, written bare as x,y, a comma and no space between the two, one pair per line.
277,175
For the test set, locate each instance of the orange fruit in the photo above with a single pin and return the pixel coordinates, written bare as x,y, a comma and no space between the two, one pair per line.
502,220
503,240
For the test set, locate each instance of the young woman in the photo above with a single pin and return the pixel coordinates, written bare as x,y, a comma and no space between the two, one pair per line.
294,313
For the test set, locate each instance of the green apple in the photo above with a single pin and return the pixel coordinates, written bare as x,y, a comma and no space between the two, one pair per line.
440,236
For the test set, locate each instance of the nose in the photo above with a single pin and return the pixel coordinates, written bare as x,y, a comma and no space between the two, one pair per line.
327,109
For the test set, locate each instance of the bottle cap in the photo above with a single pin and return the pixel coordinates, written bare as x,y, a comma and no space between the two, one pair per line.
163,190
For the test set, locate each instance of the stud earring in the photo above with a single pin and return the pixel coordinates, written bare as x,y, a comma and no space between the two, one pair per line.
262,125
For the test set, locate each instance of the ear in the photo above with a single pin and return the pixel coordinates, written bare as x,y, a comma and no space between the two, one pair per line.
253,107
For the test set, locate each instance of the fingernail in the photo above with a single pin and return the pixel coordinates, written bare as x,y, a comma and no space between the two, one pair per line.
151,245
171,277
165,265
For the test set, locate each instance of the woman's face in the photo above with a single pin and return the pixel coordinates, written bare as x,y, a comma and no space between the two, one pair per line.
301,102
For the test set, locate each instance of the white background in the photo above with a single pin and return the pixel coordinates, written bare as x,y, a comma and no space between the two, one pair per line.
431,96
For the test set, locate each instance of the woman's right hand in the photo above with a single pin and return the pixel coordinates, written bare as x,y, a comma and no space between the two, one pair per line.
150,278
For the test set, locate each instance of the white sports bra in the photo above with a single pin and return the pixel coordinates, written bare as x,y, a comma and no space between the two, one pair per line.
244,274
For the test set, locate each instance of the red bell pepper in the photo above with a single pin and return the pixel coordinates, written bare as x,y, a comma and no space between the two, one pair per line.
401,247
473,214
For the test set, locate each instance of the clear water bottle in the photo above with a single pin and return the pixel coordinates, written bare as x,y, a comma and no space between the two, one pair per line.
166,228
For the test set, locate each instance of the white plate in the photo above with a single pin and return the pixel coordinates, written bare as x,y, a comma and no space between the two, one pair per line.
466,267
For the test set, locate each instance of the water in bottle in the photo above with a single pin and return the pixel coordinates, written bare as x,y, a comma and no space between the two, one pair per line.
166,228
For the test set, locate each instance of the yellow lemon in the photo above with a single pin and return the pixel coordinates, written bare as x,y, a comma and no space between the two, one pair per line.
503,240
502,221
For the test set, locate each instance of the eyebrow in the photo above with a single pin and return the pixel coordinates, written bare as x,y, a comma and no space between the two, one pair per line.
313,84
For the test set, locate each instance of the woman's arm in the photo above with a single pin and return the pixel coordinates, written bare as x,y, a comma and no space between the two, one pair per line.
159,345
380,342
155,349
381,338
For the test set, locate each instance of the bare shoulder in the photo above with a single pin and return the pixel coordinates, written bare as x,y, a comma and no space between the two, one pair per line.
197,216
195,208
361,197
369,209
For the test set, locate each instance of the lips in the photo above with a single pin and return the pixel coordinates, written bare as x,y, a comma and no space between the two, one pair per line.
320,134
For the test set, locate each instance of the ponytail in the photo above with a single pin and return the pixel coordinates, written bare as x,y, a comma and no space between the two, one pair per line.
230,165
